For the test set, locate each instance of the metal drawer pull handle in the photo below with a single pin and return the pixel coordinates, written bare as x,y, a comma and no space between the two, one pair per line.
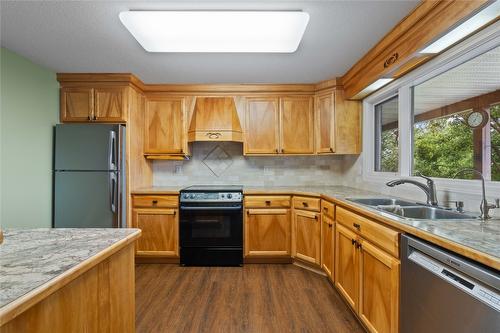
315,217
268,202
359,246
353,241
357,226
155,202
305,204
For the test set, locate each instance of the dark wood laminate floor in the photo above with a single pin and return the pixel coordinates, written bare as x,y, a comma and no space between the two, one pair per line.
253,298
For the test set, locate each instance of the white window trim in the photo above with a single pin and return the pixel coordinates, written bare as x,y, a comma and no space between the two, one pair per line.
478,44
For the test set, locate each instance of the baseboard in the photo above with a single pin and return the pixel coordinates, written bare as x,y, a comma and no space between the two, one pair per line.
156,260
267,260
311,267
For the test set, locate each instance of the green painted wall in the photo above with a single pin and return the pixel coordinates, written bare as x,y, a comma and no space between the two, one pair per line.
29,108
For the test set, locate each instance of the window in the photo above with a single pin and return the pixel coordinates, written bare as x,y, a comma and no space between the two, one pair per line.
445,139
387,136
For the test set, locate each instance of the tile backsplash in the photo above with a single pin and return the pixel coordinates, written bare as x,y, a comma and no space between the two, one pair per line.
224,163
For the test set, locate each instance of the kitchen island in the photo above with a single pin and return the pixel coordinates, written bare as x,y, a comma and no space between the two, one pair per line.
67,280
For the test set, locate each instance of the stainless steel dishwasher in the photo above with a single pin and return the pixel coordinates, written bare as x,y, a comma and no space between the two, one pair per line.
443,292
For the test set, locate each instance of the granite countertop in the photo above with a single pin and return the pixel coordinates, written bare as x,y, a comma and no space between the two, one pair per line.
29,258
482,238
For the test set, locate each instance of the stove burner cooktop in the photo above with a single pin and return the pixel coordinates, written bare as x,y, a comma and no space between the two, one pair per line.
214,188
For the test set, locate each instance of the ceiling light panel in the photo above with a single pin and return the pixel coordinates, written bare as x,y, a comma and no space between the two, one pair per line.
217,31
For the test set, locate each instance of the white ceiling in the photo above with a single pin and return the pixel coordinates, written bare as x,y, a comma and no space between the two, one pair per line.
476,77
87,36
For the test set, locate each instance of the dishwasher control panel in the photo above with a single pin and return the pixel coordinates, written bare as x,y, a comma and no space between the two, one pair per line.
468,285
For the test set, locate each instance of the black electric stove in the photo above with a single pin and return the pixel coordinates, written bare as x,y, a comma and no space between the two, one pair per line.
211,225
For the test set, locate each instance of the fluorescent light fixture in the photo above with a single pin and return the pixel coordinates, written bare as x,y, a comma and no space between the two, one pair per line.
373,87
464,29
217,31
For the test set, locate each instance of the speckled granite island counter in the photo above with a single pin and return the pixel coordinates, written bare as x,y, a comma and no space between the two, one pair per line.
67,280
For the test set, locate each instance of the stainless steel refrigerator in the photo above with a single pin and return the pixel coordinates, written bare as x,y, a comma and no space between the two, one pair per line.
89,176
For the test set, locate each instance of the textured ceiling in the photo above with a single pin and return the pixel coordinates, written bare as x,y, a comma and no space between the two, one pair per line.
87,36
476,77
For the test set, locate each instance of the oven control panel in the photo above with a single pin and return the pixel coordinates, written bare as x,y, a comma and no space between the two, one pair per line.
211,197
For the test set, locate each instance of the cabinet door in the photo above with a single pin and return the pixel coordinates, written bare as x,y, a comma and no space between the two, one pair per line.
111,104
297,127
325,123
347,125
261,128
160,232
327,241
307,236
346,269
77,104
165,131
267,232
379,289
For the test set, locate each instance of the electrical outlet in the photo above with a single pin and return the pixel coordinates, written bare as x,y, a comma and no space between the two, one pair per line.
178,169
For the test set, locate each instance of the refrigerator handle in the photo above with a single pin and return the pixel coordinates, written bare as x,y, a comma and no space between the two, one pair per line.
113,193
112,151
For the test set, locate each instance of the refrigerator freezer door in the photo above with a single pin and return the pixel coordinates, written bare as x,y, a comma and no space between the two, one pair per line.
85,199
81,147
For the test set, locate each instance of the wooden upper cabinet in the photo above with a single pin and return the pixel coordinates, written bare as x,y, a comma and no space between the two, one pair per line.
338,124
267,233
160,232
96,104
165,126
297,125
307,242
379,289
347,125
325,123
77,104
262,126
111,104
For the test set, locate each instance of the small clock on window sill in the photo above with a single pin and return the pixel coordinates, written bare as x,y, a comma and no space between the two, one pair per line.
477,119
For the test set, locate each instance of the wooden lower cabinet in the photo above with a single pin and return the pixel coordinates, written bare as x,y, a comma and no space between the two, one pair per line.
307,236
368,278
346,270
267,233
160,232
327,241
379,289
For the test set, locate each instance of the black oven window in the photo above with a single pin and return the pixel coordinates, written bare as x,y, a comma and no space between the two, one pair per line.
211,227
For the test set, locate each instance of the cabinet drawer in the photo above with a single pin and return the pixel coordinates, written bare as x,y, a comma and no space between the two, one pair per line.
384,237
155,201
327,208
260,201
306,203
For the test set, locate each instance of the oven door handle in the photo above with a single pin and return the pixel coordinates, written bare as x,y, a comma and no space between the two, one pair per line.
211,208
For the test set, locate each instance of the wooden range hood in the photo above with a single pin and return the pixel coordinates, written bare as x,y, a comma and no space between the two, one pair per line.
215,119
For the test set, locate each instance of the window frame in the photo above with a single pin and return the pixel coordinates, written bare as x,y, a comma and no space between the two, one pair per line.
472,47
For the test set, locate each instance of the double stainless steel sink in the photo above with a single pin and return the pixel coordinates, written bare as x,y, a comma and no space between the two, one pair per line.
411,210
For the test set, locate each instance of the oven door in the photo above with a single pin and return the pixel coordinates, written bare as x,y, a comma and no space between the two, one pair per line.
204,225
